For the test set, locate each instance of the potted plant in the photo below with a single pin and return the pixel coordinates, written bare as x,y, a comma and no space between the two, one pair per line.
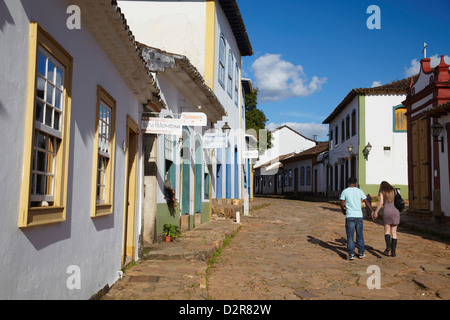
170,232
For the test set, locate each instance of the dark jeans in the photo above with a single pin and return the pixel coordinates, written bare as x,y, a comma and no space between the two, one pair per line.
352,224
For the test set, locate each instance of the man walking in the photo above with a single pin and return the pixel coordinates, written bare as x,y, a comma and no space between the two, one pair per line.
351,208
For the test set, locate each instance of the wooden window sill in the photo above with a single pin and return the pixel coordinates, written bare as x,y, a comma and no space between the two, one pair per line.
44,216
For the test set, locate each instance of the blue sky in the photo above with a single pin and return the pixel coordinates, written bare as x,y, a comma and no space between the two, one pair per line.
310,54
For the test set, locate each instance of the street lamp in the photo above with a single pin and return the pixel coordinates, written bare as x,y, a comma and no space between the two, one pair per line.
367,150
436,129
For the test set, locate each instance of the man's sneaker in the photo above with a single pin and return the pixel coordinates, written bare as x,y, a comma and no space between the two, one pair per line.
351,257
361,256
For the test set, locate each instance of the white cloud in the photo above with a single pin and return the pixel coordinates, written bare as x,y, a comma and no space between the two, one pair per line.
376,84
278,79
306,129
414,68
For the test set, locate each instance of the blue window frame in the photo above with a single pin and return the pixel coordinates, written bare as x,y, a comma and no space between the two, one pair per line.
222,61
230,73
236,86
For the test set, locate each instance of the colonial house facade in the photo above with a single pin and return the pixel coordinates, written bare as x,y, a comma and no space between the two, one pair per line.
212,35
428,110
286,142
304,173
368,140
174,163
70,103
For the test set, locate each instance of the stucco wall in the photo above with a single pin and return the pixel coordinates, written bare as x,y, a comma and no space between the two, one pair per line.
152,21
389,165
34,261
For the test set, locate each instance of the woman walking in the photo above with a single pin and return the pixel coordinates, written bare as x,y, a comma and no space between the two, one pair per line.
391,217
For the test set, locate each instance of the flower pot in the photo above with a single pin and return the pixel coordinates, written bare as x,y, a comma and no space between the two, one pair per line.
168,238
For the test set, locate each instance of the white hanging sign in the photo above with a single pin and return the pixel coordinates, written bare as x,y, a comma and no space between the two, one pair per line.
194,119
161,126
214,140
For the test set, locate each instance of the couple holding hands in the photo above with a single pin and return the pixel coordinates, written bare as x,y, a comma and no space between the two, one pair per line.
351,208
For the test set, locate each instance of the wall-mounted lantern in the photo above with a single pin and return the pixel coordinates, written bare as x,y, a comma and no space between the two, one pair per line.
367,150
436,129
226,128
350,148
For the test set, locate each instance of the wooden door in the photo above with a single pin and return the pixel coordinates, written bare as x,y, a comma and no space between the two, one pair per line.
129,244
420,129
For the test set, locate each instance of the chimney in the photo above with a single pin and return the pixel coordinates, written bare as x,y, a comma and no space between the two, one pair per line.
442,71
315,137
425,64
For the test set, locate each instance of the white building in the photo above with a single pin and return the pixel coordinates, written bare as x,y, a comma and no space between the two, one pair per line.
212,35
178,162
367,133
285,142
70,103
305,173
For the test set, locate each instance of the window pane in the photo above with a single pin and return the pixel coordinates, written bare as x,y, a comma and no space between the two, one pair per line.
40,184
59,78
40,87
48,116
51,71
39,111
41,165
50,92
42,61
56,124
41,141
58,95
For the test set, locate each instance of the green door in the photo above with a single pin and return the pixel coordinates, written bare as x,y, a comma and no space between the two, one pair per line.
198,176
186,172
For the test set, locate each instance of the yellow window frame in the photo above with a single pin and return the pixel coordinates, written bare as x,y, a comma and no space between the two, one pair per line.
36,216
105,208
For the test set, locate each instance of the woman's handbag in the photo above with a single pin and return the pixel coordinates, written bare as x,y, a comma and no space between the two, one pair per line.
399,203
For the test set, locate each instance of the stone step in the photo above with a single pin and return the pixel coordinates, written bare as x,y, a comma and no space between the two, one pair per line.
228,211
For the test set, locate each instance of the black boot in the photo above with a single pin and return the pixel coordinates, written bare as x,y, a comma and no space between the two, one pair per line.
394,246
387,238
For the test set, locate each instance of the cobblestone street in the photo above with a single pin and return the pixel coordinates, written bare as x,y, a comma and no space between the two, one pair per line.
297,250
288,250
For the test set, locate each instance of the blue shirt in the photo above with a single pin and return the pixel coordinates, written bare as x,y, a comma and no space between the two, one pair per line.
352,198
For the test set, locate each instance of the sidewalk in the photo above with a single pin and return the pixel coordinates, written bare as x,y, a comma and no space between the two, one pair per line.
174,270
177,270
440,231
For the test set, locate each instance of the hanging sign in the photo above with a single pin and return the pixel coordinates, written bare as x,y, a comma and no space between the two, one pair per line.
161,126
214,140
194,119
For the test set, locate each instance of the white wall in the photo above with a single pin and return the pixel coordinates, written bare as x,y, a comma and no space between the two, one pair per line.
34,261
391,166
173,26
152,21
285,141
340,150
301,188
234,117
